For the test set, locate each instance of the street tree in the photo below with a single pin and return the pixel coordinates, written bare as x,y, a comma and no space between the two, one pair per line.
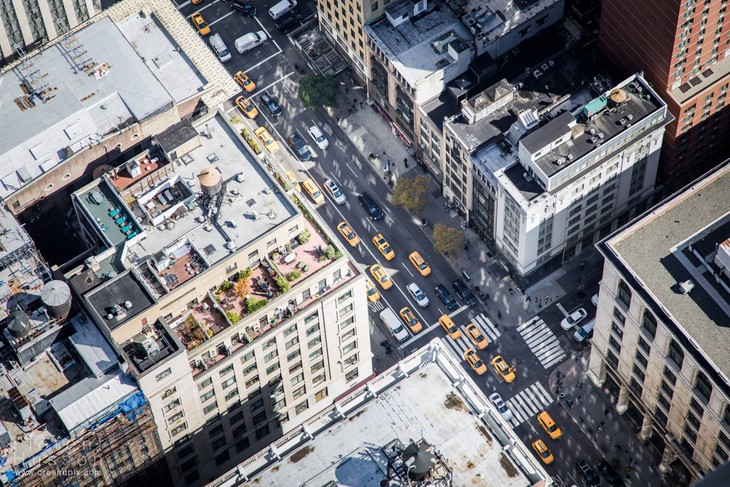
318,91
410,194
448,240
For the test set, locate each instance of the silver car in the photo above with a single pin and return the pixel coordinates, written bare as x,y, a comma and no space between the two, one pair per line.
418,295
573,319
318,137
334,191
503,409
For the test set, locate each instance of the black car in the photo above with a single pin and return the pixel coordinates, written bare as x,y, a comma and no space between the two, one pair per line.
610,473
286,24
367,201
271,104
445,296
463,291
588,473
246,9
296,142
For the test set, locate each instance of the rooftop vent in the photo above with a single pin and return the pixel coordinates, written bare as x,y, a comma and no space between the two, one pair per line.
686,286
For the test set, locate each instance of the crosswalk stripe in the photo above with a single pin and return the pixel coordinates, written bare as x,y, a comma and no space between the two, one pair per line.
528,407
554,361
546,347
486,326
528,403
527,323
546,397
542,341
517,412
538,339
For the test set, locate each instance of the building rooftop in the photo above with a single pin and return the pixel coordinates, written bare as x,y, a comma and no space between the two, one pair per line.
252,204
354,439
638,103
420,45
22,269
75,91
494,18
118,300
70,383
675,242
556,79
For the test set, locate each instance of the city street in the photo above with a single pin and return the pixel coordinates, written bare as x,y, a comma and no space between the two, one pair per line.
526,332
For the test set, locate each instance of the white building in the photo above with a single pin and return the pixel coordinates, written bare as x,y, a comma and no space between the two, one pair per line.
366,436
413,51
543,175
661,335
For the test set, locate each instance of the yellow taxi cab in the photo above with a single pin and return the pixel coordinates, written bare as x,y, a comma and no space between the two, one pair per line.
476,336
547,423
383,247
196,2
313,191
246,107
503,369
381,277
475,362
293,180
265,137
419,263
373,294
348,233
245,82
200,24
542,451
448,324
410,319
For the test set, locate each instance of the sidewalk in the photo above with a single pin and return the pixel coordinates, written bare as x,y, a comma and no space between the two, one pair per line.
611,433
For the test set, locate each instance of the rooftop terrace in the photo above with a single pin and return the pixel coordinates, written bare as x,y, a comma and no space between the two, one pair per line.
77,90
347,444
676,242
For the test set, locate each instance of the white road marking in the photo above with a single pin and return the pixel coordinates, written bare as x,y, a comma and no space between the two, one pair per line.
351,170
542,342
406,268
221,18
263,61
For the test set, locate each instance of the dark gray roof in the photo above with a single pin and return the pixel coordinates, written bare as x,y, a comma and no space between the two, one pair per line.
176,135
529,189
549,132
117,292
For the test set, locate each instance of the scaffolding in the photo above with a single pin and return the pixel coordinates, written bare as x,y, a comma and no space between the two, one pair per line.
121,448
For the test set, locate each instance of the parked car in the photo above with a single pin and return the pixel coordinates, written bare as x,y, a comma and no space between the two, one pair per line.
610,473
445,296
463,291
584,331
418,295
372,293
501,406
265,137
318,137
588,473
200,24
271,104
573,319
286,24
300,148
246,9
334,191
367,201
594,300
248,41
244,81
246,107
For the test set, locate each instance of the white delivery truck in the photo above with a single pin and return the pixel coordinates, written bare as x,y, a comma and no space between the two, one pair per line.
282,8
394,325
220,48
250,40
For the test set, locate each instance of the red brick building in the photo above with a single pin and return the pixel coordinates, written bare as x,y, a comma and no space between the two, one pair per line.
683,47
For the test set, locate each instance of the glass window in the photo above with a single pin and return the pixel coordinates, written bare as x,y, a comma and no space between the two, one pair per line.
207,396
676,353
640,359
351,375
624,294
320,395
644,345
649,323
696,406
616,345
670,375
619,316
226,370
249,356
301,407
703,385
163,374
205,384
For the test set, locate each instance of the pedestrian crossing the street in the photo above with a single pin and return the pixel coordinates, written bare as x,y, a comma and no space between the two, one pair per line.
528,402
543,342
464,343
377,306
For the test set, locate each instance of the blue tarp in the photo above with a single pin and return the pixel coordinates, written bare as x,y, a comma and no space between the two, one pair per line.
130,406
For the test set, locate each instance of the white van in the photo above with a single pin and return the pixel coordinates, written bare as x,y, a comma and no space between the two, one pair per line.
250,40
219,47
583,331
282,8
394,325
